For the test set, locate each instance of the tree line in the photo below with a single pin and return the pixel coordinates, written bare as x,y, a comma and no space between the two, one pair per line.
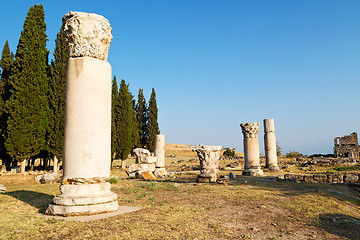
32,101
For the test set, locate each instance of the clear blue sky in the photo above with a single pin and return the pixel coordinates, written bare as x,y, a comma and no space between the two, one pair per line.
217,63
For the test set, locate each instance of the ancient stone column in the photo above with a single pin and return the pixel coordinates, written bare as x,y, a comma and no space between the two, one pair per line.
87,139
251,149
270,145
160,155
209,163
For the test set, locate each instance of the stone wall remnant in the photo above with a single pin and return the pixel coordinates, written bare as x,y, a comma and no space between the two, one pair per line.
209,163
347,146
270,145
251,149
87,139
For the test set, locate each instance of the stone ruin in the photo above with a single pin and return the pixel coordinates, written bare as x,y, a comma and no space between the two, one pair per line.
347,147
149,167
251,148
87,138
209,163
270,146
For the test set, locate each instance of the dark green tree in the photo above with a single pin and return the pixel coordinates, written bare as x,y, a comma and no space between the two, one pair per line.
114,119
134,126
141,118
28,106
126,127
57,98
152,123
6,62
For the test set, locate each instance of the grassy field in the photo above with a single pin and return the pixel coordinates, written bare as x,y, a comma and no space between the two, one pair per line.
178,208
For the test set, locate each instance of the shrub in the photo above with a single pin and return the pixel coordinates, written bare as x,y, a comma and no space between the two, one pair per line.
347,168
278,149
229,152
293,154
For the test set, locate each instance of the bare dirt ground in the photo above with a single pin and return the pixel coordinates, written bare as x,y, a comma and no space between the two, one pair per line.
178,208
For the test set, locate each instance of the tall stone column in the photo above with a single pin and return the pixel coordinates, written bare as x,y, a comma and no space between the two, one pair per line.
160,170
251,149
87,139
270,145
209,163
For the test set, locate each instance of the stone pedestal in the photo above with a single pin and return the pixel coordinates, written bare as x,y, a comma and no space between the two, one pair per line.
160,155
87,139
209,163
251,149
270,146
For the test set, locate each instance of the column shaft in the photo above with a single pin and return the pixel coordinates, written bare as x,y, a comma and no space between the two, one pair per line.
160,151
87,140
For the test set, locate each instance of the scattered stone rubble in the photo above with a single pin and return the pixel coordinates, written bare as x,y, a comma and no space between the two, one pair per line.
149,167
325,178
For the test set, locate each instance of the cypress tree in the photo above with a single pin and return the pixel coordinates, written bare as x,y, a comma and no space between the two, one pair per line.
6,62
57,98
152,124
126,126
114,119
28,105
141,118
134,126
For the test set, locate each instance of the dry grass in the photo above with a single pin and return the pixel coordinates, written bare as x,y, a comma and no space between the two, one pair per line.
181,209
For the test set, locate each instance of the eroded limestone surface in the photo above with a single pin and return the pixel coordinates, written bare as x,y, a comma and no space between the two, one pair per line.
141,154
251,149
88,35
87,139
270,145
209,162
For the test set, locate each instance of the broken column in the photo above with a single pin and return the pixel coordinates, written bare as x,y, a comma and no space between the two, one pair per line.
160,155
209,163
251,149
270,145
87,139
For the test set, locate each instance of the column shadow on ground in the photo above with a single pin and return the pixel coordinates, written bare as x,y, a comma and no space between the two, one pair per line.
341,225
35,199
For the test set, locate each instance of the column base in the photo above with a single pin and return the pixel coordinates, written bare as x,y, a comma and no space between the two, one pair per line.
271,169
253,172
209,176
83,199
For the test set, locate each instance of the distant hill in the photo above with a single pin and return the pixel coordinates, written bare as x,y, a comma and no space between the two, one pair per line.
183,150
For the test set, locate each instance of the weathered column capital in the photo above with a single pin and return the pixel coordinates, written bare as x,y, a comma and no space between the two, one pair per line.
250,130
87,34
209,162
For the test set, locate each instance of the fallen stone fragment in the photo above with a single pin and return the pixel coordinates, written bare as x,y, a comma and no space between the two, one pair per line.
160,172
223,180
2,188
146,175
2,169
47,178
232,175
351,178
